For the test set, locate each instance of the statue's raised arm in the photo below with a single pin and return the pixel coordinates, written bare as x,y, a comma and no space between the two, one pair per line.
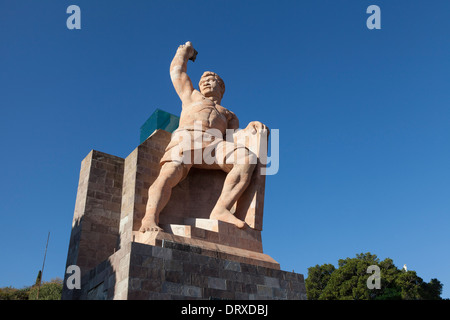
180,79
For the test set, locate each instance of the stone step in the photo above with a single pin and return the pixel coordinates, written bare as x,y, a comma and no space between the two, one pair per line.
217,232
203,247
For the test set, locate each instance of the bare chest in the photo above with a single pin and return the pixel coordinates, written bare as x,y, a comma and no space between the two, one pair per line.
207,112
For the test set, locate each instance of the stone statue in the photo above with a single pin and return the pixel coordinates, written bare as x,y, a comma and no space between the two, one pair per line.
204,125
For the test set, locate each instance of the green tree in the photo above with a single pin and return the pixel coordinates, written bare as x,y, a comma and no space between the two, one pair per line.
51,290
410,285
317,280
38,278
10,293
349,281
431,290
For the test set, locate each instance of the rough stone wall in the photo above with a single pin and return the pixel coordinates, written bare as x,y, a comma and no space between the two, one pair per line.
95,226
181,272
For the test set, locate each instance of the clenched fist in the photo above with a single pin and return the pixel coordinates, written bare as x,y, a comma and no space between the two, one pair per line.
188,50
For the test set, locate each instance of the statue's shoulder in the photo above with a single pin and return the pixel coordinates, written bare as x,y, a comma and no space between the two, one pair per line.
230,114
196,95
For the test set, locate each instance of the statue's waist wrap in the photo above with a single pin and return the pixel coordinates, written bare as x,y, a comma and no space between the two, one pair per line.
194,146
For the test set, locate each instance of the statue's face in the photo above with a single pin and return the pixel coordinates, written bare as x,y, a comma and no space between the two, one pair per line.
209,86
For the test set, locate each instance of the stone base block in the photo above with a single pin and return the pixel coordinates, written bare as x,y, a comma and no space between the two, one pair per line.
179,271
206,247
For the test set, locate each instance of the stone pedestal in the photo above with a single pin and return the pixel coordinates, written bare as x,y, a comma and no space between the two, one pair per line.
173,270
194,258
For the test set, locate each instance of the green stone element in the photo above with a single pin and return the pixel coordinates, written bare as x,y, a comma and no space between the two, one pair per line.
159,120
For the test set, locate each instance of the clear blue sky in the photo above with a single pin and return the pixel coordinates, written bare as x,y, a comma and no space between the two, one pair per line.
364,118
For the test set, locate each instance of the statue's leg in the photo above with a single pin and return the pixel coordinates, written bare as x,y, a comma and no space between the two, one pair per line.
160,191
237,180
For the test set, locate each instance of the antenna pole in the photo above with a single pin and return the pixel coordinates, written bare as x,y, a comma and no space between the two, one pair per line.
43,264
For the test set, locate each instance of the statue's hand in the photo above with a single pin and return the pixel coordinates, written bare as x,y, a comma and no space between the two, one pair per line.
256,126
189,50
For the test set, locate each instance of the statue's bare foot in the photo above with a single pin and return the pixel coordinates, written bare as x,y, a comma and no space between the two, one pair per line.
224,215
149,224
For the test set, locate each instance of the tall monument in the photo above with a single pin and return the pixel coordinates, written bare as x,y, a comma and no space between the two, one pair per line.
181,217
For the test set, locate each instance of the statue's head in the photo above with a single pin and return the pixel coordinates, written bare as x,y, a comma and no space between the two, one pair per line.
211,84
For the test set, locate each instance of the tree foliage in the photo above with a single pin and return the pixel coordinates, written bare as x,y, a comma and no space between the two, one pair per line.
349,281
38,278
10,293
50,290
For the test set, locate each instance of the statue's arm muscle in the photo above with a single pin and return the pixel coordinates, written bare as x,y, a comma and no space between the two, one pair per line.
181,81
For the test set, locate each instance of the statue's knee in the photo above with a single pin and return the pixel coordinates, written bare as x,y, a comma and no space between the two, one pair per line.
170,167
171,173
